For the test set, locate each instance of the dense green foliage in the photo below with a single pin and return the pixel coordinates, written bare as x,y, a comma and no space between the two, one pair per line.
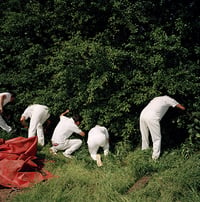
104,59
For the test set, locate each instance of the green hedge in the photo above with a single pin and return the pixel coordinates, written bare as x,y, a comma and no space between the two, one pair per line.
106,60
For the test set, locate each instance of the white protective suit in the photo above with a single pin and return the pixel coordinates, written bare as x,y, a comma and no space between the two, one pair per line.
38,114
150,121
60,139
98,137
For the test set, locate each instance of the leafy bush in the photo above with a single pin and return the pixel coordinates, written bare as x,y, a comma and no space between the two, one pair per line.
105,60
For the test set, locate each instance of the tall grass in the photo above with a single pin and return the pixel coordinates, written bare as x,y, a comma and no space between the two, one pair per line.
171,178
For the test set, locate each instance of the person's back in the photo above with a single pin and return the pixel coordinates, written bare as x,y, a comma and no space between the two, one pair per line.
158,106
98,136
64,129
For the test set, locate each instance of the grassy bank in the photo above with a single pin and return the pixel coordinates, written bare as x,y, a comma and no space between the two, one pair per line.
125,176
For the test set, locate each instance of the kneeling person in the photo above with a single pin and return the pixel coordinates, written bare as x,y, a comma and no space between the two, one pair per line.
64,129
98,137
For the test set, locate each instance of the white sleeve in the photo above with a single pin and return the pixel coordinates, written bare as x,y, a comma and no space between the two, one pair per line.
76,129
172,101
26,113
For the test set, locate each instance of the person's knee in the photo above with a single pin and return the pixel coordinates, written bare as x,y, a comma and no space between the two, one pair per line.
79,142
39,126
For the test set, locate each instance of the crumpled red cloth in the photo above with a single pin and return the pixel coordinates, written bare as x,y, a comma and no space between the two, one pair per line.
19,166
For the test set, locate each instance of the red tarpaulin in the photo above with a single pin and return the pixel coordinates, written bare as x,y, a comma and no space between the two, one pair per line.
19,166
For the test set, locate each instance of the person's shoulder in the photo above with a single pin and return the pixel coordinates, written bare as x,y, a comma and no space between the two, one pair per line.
103,127
31,106
168,97
163,97
5,94
63,117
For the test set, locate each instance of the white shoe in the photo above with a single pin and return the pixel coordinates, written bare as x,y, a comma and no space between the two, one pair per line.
99,162
106,153
53,151
68,155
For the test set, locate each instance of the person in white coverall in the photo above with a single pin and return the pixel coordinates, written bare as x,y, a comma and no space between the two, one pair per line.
38,114
64,129
98,137
5,98
150,121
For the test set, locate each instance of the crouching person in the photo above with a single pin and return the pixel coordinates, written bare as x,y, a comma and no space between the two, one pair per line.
98,137
64,129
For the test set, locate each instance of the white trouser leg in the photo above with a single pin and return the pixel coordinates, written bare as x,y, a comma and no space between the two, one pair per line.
70,146
154,127
4,125
93,148
39,116
40,134
95,141
40,131
144,133
106,148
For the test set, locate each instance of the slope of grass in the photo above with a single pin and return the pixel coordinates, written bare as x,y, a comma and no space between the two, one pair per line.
171,178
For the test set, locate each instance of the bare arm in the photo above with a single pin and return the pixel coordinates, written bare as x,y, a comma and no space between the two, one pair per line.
180,106
65,112
2,98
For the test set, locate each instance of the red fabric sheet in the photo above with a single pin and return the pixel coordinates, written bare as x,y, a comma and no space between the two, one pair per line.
19,166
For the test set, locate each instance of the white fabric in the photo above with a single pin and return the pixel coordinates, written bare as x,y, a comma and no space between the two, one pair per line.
98,137
7,99
38,114
150,121
69,146
64,130
159,106
3,124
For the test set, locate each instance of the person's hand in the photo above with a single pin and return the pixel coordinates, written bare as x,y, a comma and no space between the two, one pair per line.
180,106
1,110
82,133
22,119
67,111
